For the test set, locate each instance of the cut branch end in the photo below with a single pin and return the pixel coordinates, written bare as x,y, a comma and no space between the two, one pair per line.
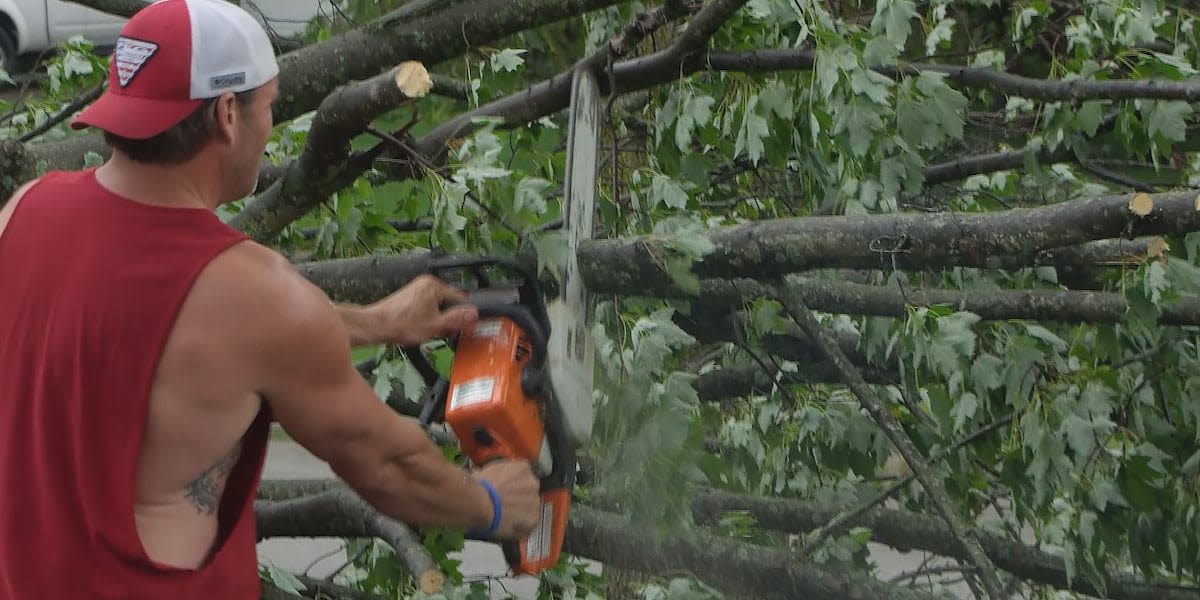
1141,204
412,79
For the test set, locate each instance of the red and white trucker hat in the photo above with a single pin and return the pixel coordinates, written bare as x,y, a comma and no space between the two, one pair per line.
170,57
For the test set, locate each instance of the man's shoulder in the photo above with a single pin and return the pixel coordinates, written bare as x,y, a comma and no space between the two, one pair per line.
255,284
265,308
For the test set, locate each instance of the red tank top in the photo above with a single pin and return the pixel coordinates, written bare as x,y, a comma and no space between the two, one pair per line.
90,283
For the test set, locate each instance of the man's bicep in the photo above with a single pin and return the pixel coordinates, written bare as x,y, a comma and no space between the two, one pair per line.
314,391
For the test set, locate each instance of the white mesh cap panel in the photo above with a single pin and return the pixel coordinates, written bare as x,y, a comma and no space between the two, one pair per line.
230,50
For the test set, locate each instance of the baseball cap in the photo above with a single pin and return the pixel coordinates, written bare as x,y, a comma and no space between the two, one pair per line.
170,57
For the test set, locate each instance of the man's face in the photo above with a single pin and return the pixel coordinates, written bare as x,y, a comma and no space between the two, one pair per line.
256,124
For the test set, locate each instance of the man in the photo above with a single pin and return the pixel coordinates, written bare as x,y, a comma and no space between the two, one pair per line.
147,346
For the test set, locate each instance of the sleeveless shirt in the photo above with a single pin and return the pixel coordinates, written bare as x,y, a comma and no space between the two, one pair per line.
90,285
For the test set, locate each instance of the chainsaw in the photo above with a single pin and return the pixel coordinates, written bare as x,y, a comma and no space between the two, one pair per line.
498,398
520,383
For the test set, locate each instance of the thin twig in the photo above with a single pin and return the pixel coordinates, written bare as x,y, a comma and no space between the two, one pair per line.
842,519
65,113
804,317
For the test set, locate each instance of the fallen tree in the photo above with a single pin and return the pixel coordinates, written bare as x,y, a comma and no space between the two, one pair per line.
830,254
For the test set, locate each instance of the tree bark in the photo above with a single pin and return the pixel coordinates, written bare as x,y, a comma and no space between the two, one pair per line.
770,249
310,73
907,531
902,530
841,297
725,564
325,165
120,8
766,573
344,511
365,280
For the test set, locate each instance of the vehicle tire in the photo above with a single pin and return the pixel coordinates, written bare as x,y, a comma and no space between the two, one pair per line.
8,50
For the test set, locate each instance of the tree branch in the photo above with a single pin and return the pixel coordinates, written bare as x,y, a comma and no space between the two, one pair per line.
843,297
737,568
899,529
905,531
119,8
1006,83
365,280
773,248
553,95
720,562
308,74
342,513
891,427
322,167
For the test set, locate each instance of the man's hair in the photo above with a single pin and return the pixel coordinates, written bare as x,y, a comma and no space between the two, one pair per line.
182,141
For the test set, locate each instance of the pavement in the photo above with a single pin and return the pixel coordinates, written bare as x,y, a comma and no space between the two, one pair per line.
317,557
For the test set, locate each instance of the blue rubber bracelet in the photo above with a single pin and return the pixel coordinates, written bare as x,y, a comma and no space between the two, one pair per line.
491,530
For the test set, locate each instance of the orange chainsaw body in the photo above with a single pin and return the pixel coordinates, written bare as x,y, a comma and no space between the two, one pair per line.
493,417
487,409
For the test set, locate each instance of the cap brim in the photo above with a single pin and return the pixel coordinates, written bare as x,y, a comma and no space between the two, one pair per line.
133,117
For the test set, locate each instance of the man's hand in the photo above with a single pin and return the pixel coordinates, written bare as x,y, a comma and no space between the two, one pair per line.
411,315
520,500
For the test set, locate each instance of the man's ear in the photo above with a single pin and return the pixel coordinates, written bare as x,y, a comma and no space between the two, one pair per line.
226,116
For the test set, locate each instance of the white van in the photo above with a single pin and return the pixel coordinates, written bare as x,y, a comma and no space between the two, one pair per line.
34,26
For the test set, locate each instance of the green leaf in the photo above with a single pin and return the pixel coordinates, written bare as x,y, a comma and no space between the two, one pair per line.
894,19
986,371
531,192
1155,281
695,111
953,340
1041,333
964,410
774,97
1167,118
1090,115
384,373
942,32
751,132
872,85
284,579
666,190
508,59
412,381
862,121
552,251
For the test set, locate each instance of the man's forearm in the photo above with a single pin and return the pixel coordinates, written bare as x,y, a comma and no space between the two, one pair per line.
360,323
411,481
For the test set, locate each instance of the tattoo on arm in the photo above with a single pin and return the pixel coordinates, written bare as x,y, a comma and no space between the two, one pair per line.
205,490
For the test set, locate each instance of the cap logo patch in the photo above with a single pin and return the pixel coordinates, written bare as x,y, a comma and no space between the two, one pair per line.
130,56
228,80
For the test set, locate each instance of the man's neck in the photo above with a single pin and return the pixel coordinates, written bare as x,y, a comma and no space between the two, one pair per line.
175,186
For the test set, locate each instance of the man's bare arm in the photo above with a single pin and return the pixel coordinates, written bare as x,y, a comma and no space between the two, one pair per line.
360,322
326,406
408,316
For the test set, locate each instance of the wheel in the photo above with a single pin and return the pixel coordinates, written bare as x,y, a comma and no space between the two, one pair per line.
8,50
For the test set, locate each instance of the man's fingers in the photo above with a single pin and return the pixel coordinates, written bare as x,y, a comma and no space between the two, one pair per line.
454,319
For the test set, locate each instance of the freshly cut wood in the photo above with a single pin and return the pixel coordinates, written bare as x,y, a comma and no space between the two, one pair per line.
412,79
